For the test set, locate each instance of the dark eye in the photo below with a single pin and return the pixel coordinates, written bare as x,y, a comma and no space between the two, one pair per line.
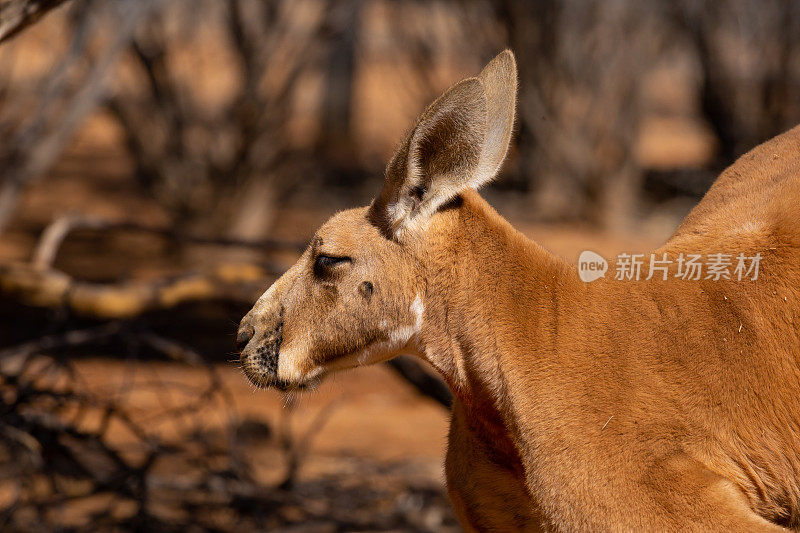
325,264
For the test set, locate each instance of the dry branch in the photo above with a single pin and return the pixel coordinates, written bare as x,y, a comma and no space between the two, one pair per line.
53,289
44,437
55,234
38,143
39,284
16,15
192,156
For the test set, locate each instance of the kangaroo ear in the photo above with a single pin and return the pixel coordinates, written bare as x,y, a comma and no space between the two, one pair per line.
458,142
499,80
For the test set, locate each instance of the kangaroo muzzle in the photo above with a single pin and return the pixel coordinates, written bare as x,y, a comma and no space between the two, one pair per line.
258,354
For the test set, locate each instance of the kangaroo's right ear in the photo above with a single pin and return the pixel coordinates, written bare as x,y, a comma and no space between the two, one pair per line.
458,142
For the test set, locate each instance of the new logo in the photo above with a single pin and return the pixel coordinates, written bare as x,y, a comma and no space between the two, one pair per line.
591,266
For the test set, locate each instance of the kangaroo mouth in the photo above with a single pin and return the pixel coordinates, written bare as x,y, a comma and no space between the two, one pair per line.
262,372
263,380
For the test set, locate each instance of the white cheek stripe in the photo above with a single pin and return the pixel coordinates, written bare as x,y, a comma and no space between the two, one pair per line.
289,359
399,339
418,310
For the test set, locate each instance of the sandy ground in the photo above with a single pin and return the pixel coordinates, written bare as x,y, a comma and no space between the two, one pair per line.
367,412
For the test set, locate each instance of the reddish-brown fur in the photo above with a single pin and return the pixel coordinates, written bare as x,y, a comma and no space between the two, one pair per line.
640,405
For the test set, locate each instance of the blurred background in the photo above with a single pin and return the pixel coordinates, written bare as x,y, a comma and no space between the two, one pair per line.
161,161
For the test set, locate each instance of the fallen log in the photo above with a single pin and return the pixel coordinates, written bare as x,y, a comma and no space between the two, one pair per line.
54,289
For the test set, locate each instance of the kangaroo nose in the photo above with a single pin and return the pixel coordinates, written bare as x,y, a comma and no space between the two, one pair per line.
246,332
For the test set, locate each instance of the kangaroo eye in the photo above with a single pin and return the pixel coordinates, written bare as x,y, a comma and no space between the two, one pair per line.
324,264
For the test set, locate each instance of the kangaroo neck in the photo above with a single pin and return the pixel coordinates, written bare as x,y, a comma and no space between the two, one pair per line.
493,297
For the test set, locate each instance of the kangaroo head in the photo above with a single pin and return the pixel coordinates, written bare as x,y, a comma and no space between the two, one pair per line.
357,294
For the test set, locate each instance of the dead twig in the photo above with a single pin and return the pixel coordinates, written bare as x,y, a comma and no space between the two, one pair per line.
295,448
57,232
37,144
12,360
16,15
45,437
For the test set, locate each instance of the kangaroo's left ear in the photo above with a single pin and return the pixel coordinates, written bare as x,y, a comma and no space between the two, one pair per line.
458,142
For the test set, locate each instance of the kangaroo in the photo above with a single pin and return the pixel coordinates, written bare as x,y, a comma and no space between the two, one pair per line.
616,405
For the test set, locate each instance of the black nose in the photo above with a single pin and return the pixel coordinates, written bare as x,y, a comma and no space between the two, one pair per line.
246,332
